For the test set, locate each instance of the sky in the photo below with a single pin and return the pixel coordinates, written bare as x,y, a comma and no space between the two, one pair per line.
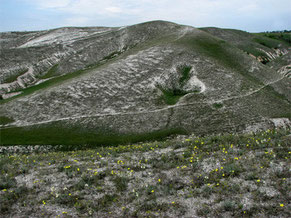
248,15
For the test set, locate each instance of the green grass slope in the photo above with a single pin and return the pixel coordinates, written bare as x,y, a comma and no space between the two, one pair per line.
256,44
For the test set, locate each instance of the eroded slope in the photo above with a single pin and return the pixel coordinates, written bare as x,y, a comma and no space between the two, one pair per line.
164,77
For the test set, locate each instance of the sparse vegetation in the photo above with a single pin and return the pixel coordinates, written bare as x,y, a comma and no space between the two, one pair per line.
270,43
171,97
46,84
218,105
255,44
51,72
184,71
173,90
233,174
121,183
59,79
249,49
217,49
56,134
5,120
112,55
14,77
53,81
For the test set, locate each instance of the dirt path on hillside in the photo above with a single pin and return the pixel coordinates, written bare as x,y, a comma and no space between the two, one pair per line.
143,112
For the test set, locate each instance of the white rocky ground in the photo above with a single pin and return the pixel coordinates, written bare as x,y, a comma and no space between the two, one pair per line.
228,176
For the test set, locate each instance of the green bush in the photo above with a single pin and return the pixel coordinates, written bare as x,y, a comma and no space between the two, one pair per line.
121,183
5,120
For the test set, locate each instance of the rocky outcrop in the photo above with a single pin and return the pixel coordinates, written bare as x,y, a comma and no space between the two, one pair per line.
285,71
269,56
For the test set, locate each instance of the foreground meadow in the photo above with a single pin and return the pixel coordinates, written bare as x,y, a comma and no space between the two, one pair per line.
239,175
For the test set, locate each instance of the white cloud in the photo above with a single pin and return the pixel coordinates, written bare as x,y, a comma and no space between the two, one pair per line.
113,10
45,4
222,13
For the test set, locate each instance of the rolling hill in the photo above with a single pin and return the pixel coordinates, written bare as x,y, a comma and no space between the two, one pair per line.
103,85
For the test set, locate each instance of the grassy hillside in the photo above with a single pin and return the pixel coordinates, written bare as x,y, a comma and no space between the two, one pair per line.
281,36
256,44
77,136
241,175
147,81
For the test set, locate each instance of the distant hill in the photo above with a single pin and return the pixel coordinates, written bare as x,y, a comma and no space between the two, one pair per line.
99,85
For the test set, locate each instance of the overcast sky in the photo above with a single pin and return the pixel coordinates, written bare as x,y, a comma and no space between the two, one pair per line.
249,15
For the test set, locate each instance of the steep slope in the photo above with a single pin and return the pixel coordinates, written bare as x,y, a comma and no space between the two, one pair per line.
116,84
271,49
259,45
66,50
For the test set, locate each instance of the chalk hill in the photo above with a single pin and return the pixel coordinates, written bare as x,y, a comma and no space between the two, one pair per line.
106,85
